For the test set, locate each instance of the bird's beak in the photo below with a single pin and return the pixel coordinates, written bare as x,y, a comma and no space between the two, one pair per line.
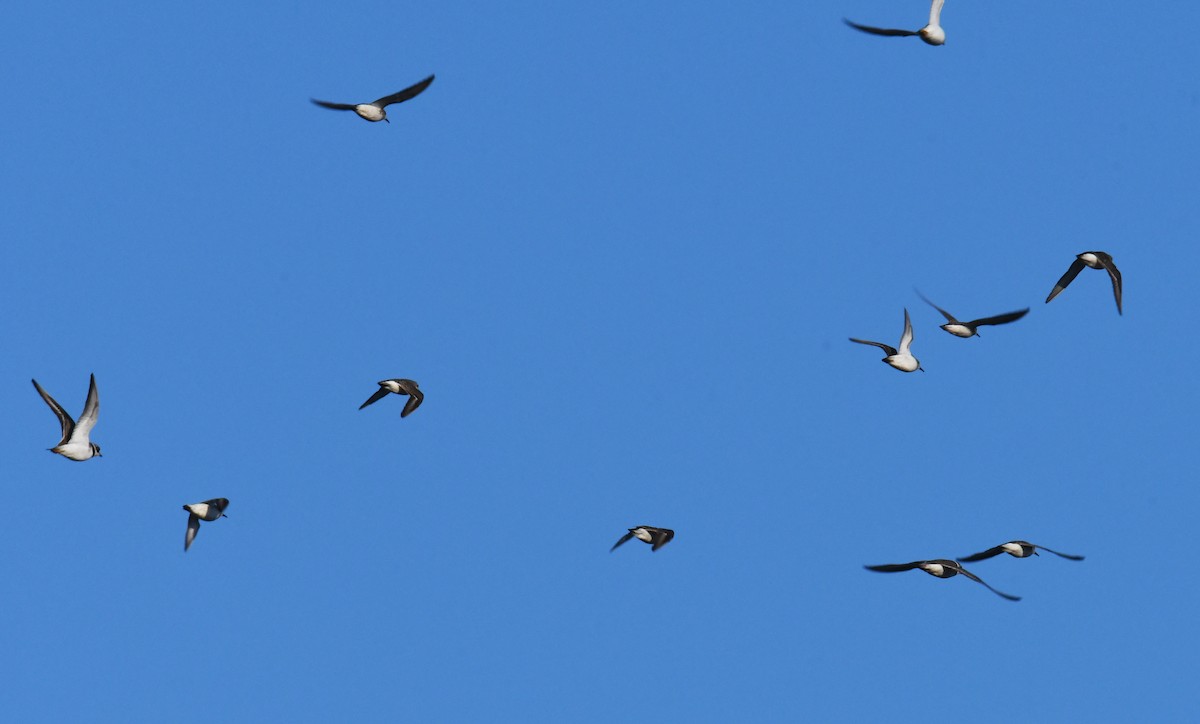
386,121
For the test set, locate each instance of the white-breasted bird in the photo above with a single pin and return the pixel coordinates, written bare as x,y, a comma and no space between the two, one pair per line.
940,567
1095,260
398,386
931,33
374,111
76,443
967,329
902,358
656,537
1016,549
209,511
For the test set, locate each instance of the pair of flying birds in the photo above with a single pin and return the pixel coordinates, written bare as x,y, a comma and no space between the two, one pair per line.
945,568
76,443
903,359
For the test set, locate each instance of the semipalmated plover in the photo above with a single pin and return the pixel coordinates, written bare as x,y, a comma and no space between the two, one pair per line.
373,111
75,443
1096,260
1016,549
931,33
209,511
940,567
657,537
399,387
967,329
901,359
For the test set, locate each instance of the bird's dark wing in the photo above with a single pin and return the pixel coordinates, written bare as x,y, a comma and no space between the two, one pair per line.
662,536
984,555
415,399
894,567
1111,268
949,317
886,348
999,318
619,543
977,579
192,529
415,396
410,92
379,395
334,106
68,425
1072,272
1068,556
880,31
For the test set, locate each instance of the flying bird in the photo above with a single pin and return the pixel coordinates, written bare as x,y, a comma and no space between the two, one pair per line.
931,33
1096,260
657,537
399,387
76,443
207,511
1016,549
941,568
374,111
901,359
967,329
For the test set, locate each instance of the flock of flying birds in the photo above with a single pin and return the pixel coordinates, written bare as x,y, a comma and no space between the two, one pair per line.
76,441
903,360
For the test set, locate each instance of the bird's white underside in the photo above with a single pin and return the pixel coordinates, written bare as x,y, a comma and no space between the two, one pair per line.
371,113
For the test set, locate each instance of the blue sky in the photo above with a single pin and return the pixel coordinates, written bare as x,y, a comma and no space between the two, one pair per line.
621,248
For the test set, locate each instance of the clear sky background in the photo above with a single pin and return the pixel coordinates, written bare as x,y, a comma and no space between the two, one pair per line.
621,246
